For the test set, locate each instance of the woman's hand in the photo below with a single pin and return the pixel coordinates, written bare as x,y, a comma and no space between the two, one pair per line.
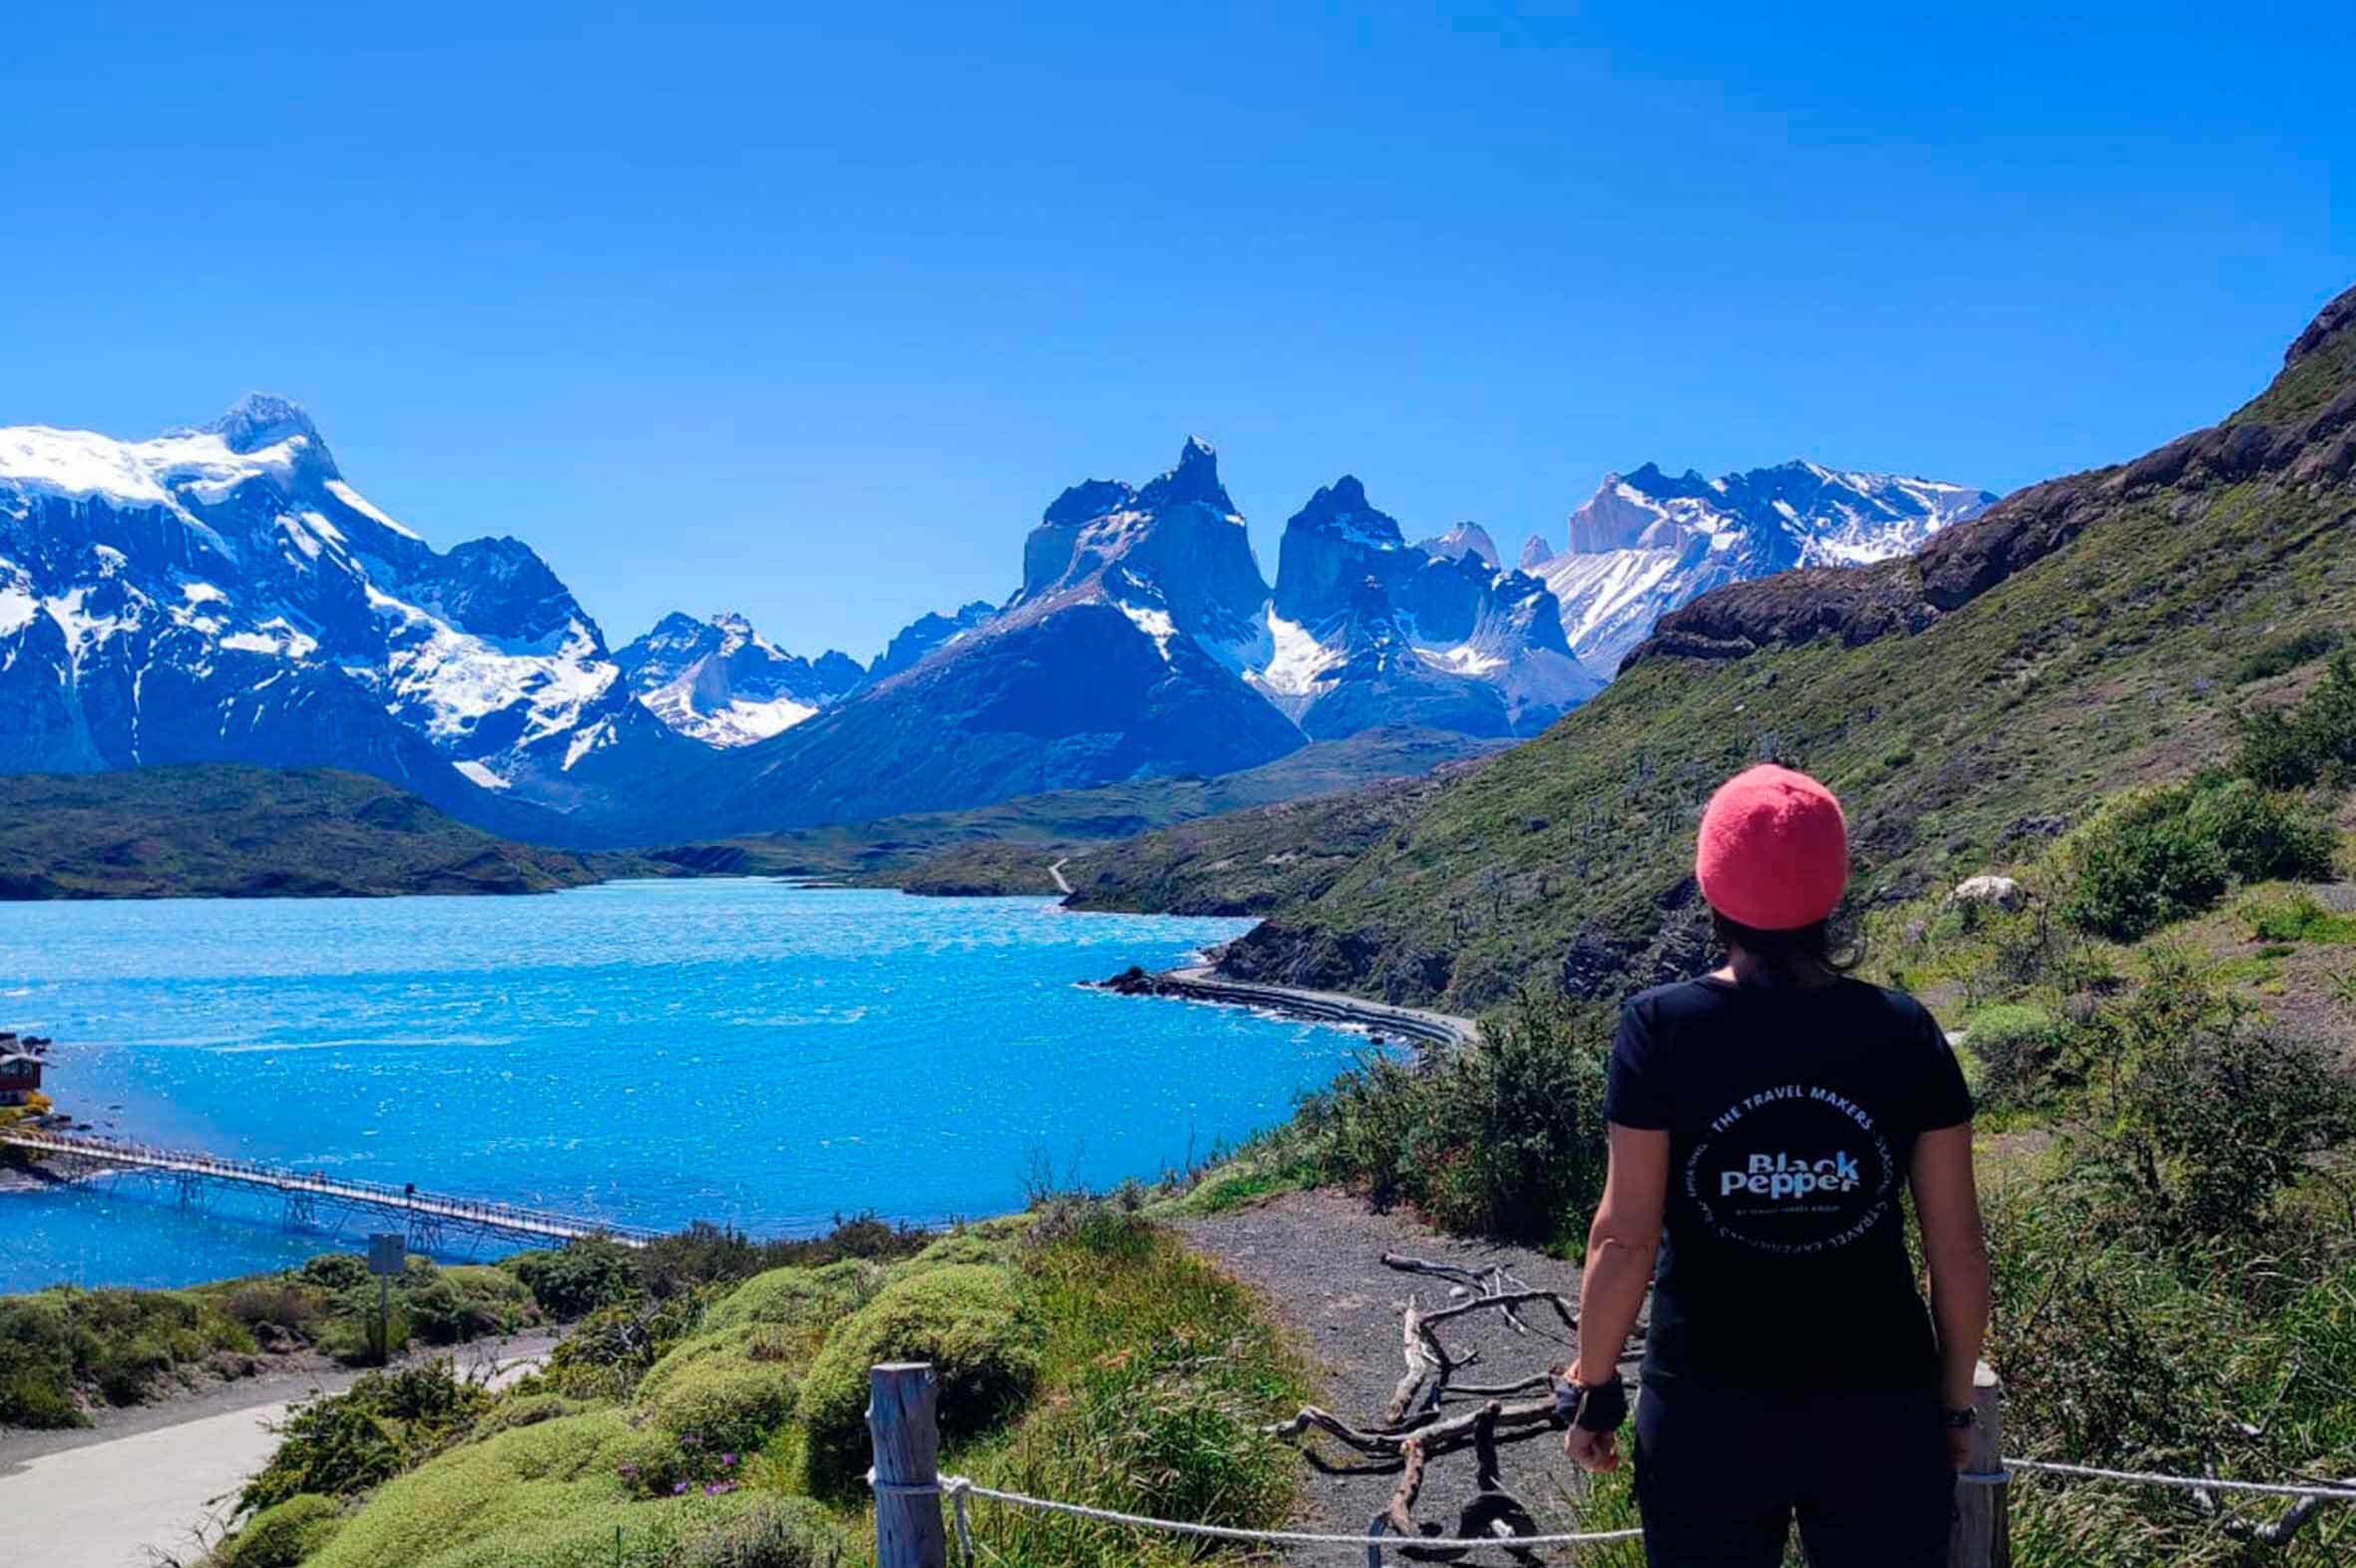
1592,1452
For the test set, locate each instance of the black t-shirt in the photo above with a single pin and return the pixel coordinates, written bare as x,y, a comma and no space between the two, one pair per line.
1791,1113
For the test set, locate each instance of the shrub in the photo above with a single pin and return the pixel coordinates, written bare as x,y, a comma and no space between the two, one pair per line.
278,1305
611,1350
714,1387
2279,655
770,1532
968,1322
2313,742
798,1297
1502,1139
56,1344
385,1423
334,1270
445,1306
2019,1050
2200,1118
2141,864
577,1277
2264,838
282,1535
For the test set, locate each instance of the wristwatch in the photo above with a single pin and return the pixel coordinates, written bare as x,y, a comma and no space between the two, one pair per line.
1963,1418
1601,1408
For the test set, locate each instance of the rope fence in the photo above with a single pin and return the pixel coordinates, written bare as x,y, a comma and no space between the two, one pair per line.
910,1533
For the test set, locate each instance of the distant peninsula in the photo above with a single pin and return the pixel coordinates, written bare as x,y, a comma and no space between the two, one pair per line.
222,829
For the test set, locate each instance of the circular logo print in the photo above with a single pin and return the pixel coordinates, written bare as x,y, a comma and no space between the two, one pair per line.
1794,1169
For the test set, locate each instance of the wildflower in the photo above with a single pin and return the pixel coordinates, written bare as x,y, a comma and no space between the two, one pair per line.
727,1460
691,1440
679,1488
629,1472
716,1488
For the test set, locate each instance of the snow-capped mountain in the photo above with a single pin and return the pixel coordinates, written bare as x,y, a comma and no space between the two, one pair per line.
723,683
221,593
1119,657
1366,629
1645,543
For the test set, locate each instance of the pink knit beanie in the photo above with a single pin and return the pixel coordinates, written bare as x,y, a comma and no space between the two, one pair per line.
1774,852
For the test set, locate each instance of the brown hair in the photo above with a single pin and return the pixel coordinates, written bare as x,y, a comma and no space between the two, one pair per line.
1801,954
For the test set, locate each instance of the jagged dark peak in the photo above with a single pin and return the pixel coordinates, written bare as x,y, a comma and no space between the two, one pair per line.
1088,500
1193,481
262,419
1535,551
1344,502
838,669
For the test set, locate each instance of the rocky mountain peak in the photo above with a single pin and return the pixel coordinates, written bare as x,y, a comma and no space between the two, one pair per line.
1466,540
1087,500
262,419
1193,481
1535,553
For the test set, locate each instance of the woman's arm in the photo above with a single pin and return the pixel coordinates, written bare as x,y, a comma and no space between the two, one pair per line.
1947,1206
1621,1247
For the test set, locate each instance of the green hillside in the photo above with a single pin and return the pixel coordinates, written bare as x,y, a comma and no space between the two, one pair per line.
1007,847
2084,634
231,831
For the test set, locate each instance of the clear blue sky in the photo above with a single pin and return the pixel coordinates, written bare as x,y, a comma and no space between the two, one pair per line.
808,311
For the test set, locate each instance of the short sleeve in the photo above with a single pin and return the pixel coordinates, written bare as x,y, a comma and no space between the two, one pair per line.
1634,1095
1945,1100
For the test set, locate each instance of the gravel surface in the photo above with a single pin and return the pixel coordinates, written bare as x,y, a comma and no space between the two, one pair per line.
145,1485
1318,1257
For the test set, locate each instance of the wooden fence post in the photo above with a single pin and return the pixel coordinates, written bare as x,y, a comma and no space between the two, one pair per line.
1983,1509
901,1420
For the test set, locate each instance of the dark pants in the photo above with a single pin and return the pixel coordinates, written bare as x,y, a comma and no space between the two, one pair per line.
1721,1474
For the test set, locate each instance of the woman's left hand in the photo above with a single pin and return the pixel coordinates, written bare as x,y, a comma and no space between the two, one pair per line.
1593,1451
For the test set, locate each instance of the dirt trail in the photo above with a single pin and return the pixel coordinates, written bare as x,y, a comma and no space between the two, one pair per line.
149,1483
1318,1256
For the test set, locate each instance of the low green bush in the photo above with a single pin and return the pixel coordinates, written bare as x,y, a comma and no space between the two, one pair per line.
2153,856
577,1277
2315,742
969,1321
2020,1052
385,1423
282,1535
718,1387
1502,1139
770,1532
798,1297
59,1346
2200,1117
2282,654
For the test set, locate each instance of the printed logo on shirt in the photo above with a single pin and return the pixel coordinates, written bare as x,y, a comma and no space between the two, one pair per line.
1794,1169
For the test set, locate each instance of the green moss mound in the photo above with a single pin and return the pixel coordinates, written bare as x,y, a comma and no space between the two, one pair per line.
798,1297
969,1321
729,1389
283,1535
547,1494
992,1247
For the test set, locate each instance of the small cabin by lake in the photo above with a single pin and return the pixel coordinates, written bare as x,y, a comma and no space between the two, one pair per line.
20,1075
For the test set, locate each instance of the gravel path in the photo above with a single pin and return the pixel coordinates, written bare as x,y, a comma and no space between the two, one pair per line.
1318,1257
147,1483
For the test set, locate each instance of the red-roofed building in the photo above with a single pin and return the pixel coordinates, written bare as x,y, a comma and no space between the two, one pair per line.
20,1076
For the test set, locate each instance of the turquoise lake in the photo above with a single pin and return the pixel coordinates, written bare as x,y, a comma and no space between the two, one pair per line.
746,1052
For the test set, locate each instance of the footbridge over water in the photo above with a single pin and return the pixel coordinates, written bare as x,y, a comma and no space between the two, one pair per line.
432,1222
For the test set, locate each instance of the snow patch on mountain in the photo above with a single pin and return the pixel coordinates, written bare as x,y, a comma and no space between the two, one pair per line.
1647,542
722,683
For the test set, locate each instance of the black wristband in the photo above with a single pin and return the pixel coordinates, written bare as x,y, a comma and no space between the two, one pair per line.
1962,1417
1602,1408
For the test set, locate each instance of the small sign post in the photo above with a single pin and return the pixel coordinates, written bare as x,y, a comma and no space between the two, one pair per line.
387,1255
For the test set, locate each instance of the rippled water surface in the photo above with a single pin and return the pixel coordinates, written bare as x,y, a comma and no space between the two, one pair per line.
739,1050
